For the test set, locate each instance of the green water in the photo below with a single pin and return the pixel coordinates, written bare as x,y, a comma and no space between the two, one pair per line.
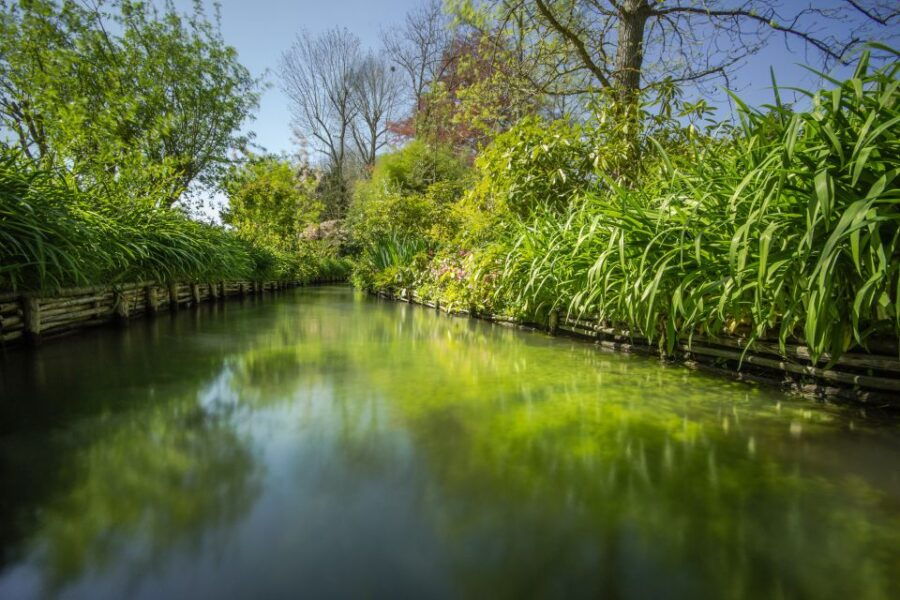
328,444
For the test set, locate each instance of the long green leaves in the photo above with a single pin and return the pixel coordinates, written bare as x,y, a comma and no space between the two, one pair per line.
791,230
54,235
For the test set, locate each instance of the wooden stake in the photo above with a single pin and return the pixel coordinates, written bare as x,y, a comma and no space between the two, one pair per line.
173,296
120,306
31,309
195,292
151,300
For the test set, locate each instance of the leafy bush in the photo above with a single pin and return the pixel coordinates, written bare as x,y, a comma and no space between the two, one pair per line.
535,165
271,201
403,213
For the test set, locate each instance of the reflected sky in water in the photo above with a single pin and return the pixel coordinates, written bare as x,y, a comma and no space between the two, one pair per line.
329,444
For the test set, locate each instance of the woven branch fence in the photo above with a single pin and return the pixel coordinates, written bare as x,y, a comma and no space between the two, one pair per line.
31,318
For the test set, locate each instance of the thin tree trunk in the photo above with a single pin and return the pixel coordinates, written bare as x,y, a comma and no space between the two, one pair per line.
630,48
627,76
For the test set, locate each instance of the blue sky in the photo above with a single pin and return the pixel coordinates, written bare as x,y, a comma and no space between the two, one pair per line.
262,29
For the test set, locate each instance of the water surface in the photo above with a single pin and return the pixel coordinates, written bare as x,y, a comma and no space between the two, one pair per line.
328,444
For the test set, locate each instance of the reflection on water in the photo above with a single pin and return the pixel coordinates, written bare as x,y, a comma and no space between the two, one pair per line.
330,444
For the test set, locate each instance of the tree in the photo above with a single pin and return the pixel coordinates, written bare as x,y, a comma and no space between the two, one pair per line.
144,100
474,75
419,46
342,101
626,48
271,201
376,98
482,90
318,74
629,45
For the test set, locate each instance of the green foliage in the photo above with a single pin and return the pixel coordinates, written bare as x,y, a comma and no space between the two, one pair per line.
785,228
791,231
414,169
270,202
141,101
53,234
403,212
534,165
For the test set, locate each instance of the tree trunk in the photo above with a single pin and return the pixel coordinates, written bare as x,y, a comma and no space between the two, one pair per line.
630,48
627,76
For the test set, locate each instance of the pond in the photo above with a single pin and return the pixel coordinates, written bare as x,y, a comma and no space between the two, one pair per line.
324,443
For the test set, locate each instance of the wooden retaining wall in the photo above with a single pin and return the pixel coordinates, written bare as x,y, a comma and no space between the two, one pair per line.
872,378
33,317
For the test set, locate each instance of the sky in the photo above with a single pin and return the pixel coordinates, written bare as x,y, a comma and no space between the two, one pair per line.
261,30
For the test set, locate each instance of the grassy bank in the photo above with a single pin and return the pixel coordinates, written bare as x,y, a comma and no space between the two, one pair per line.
54,234
784,227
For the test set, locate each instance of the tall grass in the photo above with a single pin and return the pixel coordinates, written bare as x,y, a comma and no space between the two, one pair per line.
52,234
391,261
789,229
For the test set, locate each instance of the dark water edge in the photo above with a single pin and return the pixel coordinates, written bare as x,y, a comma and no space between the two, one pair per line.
329,444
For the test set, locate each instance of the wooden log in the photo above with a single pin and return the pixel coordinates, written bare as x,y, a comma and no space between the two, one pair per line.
31,309
590,328
195,293
775,364
75,306
6,307
10,322
863,361
84,291
105,313
48,304
12,335
100,309
791,351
